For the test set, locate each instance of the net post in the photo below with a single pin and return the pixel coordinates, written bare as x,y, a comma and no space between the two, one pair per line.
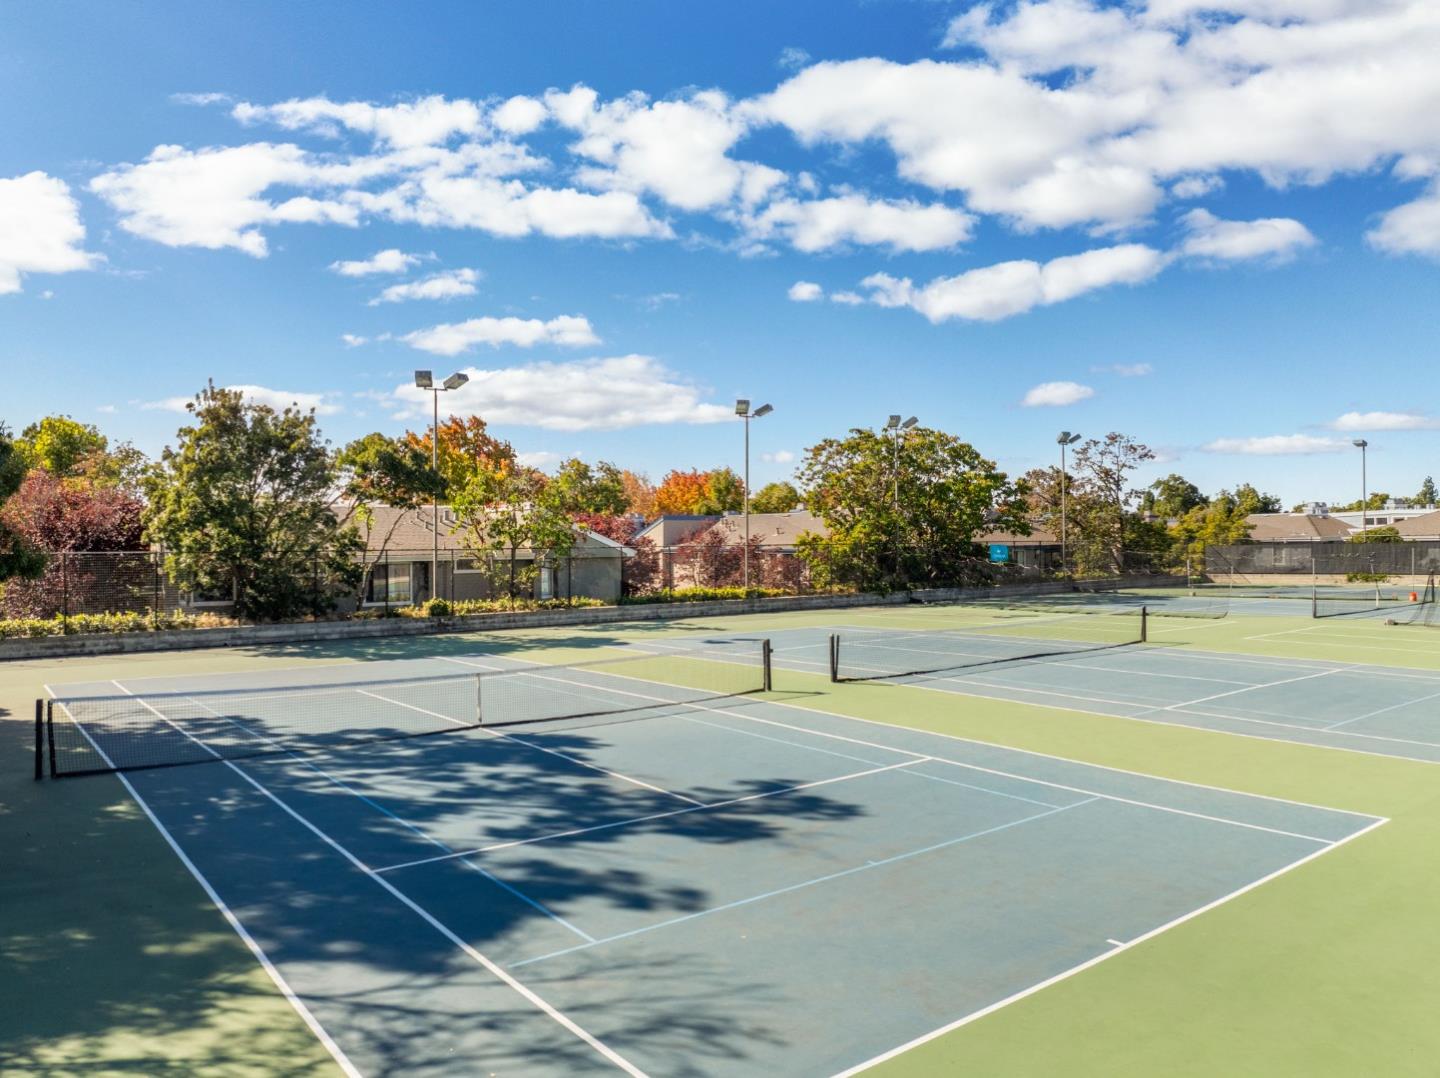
1314,601
765,656
834,657
39,738
50,735
479,707
1144,624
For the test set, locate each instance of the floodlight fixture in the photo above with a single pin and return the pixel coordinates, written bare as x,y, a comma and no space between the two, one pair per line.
1066,438
892,422
456,380
1359,443
909,423
424,380
764,409
742,407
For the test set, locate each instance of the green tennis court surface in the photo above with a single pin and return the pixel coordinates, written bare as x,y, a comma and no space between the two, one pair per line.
596,858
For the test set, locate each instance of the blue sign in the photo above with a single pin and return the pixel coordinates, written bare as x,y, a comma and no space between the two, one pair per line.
1000,552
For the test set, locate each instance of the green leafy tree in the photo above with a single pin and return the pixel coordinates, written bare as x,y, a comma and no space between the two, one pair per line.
501,516
1371,503
466,449
724,493
580,488
18,557
377,470
60,444
1101,502
1427,495
1173,496
914,525
243,506
1252,500
1377,535
775,498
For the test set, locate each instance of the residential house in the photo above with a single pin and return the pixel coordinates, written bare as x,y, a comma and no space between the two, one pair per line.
1297,528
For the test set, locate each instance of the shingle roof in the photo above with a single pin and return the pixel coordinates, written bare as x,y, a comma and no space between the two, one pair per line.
777,531
413,531
1421,527
1295,526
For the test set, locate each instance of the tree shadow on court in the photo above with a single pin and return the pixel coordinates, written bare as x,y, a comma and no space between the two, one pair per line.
391,986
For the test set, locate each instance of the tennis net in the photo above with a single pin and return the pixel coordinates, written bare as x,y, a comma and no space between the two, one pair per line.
1384,597
874,656
126,732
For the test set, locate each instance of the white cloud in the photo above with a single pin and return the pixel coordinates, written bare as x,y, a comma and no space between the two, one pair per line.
452,338
992,293
1125,370
539,458
520,115
106,409
1056,395
1361,421
200,99
279,399
849,299
40,229
1196,186
792,58
353,340
1277,238
1278,445
590,394
656,300
447,285
429,121
805,292
1413,228
823,223
212,197
780,456
390,260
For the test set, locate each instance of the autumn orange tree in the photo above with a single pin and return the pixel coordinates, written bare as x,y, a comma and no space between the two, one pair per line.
466,449
682,492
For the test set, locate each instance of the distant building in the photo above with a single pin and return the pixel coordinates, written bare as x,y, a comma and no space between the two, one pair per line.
1297,528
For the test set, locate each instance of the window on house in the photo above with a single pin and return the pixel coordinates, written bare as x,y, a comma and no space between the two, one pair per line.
389,584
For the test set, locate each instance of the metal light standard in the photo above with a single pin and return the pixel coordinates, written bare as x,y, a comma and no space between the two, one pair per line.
1064,438
896,430
425,380
1361,444
742,409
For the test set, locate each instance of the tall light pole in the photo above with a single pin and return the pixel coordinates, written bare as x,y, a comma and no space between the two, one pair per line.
425,380
742,409
897,431
1064,438
1361,444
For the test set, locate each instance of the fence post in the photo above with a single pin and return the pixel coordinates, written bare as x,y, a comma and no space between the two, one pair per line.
159,591
64,594
39,738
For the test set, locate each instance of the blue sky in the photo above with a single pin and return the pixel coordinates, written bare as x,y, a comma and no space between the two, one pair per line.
1214,226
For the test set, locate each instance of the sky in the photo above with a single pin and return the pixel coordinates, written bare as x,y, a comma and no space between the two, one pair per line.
1213,226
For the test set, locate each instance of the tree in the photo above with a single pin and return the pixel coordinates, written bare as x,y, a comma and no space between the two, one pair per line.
1427,495
1099,501
682,492
60,444
1173,496
18,558
1377,535
775,498
1256,501
501,515
243,507
947,494
1372,502
579,488
639,494
66,516
378,470
724,493
466,448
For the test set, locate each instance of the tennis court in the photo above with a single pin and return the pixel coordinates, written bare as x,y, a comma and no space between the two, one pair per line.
1095,662
484,864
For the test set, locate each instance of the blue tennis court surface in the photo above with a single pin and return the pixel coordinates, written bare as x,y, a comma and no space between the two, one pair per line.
1384,710
727,887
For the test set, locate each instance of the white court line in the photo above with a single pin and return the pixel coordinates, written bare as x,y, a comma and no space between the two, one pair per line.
1116,943
1382,710
328,1042
532,997
644,819
1081,967
1248,688
867,866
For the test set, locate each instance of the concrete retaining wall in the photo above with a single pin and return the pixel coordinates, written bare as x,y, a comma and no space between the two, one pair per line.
51,647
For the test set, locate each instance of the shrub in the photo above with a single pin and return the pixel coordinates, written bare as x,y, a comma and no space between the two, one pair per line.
438,608
702,595
83,624
461,607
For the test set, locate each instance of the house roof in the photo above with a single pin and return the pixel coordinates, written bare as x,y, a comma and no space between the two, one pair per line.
672,528
1422,527
777,531
412,530
1295,526
1038,537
